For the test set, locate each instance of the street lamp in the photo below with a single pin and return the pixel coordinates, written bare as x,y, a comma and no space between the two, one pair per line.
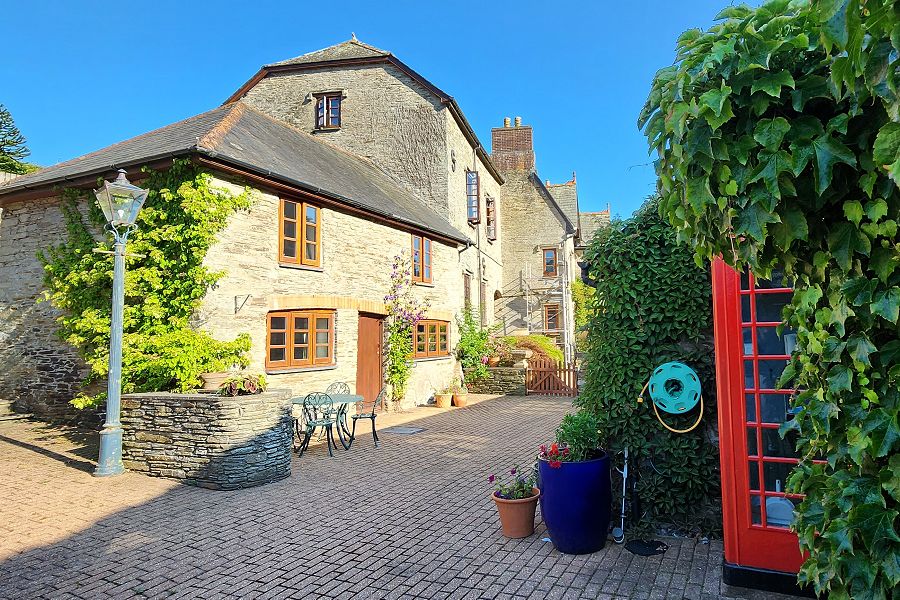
120,202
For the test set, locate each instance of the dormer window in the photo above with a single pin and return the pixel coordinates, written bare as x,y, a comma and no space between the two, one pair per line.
473,197
328,111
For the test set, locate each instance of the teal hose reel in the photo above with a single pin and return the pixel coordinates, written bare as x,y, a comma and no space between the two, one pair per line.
675,389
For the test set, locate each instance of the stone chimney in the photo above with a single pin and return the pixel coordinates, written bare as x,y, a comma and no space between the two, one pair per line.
512,148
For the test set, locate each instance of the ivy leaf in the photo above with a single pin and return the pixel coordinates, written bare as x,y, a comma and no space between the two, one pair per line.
839,379
829,152
883,430
792,227
833,14
844,240
887,144
886,304
884,262
811,86
771,83
770,132
876,209
753,219
853,210
698,194
889,353
860,348
715,99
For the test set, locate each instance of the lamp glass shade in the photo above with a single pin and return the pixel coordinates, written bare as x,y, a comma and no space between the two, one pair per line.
120,201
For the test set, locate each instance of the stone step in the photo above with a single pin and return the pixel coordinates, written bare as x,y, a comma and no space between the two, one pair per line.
6,408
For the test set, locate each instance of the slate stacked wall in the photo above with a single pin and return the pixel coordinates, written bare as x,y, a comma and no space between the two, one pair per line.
216,442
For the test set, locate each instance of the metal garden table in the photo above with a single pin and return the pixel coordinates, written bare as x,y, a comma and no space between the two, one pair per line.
341,403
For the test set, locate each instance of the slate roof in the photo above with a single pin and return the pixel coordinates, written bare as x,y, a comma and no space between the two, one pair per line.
241,136
590,223
352,48
566,195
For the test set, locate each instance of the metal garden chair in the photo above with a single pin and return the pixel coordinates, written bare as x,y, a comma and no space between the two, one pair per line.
340,412
368,410
318,411
338,387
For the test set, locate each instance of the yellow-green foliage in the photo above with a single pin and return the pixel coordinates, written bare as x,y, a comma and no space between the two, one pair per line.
161,350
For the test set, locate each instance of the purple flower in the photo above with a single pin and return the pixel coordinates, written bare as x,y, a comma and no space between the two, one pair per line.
512,471
491,478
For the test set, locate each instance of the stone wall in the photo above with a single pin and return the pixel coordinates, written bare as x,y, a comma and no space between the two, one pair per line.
216,442
38,372
500,380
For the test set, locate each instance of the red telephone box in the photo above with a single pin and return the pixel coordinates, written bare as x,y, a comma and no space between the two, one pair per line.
760,550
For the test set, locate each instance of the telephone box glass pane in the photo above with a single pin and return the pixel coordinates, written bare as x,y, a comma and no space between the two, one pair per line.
751,441
751,408
769,307
769,372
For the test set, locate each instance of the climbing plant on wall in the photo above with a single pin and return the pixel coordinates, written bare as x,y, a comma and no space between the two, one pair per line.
778,145
652,305
404,311
183,213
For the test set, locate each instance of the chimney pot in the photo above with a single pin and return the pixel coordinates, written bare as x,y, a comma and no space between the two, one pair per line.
518,121
506,121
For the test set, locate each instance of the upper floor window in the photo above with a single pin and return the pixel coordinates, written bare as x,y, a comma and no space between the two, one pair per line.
421,259
467,290
550,263
328,111
299,234
551,317
299,338
431,339
490,209
473,197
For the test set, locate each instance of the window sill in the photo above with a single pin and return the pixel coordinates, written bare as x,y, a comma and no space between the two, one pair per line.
431,359
326,129
300,370
301,267
423,284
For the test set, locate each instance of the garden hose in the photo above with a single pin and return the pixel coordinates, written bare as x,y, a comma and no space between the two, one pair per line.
676,389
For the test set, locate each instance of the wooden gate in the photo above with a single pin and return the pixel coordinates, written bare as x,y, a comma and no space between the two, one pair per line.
547,377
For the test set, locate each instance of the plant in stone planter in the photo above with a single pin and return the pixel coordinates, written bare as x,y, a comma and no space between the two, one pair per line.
575,486
443,396
516,502
242,384
460,394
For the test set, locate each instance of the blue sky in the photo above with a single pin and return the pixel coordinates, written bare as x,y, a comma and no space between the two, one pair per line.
78,76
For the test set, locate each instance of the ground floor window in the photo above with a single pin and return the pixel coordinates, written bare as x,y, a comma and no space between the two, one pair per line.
431,339
299,338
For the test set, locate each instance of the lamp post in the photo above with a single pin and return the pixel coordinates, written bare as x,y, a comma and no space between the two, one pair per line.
120,202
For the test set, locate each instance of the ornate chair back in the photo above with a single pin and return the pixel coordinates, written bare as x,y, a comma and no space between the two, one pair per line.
370,407
338,387
316,407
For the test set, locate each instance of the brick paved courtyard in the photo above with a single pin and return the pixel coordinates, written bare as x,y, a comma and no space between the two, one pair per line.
412,519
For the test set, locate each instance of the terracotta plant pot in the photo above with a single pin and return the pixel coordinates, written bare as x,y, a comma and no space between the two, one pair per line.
442,400
460,400
212,381
517,516
493,361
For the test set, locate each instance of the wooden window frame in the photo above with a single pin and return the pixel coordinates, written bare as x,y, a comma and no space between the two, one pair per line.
300,237
555,271
323,103
473,200
467,290
311,360
490,216
422,259
552,331
431,329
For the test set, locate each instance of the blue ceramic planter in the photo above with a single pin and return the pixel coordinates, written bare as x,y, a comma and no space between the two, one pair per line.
575,503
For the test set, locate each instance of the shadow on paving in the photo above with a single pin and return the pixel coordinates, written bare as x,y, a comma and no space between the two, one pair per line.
412,518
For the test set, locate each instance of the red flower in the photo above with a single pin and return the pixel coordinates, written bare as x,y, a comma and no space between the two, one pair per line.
555,464
543,449
554,448
565,451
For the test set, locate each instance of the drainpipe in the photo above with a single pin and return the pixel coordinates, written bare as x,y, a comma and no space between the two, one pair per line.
568,318
482,312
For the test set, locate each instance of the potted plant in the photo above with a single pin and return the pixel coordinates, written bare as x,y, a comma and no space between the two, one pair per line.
243,383
460,394
212,380
443,396
575,486
516,502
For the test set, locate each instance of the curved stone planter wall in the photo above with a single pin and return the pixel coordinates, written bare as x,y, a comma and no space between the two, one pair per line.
216,442
500,380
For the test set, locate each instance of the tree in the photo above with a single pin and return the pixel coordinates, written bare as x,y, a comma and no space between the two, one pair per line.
778,137
12,145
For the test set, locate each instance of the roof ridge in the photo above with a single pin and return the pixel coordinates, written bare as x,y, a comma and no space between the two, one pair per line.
125,141
212,138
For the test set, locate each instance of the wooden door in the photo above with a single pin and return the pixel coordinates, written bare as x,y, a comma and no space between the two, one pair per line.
369,375
755,461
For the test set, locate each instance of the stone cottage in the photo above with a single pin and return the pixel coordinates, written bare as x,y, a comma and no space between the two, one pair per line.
540,234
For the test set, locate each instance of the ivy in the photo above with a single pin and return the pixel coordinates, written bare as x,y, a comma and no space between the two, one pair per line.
801,170
652,305
165,282
474,346
404,311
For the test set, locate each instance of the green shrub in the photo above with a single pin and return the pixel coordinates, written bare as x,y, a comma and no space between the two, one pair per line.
652,305
161,350
474,346
541,345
